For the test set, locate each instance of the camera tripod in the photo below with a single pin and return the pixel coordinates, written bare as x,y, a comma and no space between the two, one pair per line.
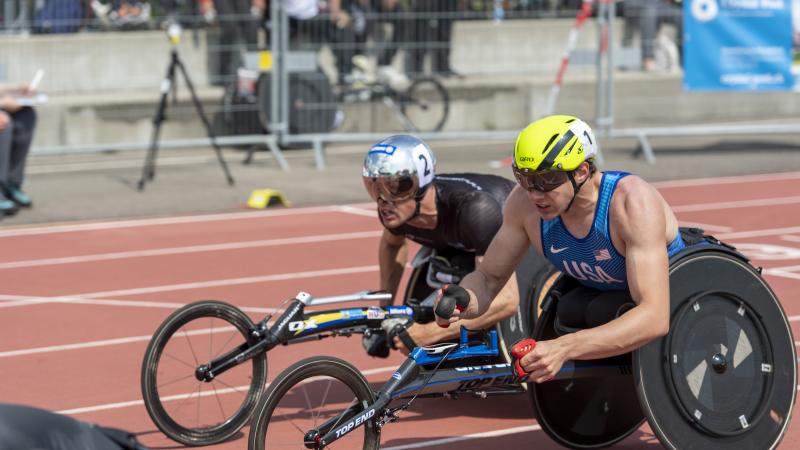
167,85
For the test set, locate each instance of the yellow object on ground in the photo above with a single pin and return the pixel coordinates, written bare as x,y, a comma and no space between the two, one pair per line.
264,198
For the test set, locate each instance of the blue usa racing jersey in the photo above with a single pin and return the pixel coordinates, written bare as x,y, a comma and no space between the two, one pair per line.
592,260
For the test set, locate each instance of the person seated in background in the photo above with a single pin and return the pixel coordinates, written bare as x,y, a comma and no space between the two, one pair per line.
122,13
17,123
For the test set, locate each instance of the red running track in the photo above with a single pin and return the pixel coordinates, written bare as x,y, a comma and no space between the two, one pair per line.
80,353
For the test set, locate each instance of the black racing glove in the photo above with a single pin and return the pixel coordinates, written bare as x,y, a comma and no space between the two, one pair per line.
398,327
375,343
453,297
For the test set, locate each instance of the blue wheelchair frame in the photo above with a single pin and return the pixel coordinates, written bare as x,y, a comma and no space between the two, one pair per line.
421,371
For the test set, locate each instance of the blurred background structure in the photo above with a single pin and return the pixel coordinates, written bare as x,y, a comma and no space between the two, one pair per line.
307,73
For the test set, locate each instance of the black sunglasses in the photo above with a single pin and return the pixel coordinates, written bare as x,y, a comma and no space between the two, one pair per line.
542,181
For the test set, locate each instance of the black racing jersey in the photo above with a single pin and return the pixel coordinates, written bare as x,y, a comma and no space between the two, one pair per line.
469,212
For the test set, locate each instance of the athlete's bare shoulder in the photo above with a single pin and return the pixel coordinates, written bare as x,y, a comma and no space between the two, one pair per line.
518,209
637,208
633,190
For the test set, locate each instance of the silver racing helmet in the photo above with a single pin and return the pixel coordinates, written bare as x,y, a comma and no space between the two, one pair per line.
398,168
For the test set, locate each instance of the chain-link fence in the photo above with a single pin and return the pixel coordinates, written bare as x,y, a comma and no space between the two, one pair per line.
352,69
374,67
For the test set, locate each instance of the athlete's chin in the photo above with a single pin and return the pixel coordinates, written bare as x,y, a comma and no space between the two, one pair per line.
547,212
391,220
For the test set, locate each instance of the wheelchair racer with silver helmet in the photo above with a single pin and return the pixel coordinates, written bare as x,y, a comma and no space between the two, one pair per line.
455,215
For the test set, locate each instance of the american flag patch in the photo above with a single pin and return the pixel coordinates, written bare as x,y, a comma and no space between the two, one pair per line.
602,255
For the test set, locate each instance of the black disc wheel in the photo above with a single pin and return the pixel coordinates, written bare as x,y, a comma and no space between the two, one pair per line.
426,104
718,347
188,410
725,376
584,412
308,394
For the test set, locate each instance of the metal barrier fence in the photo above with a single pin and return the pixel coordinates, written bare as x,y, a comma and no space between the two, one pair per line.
445,69
493,60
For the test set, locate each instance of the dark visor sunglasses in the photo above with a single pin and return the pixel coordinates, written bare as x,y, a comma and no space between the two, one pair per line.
391,189
542,181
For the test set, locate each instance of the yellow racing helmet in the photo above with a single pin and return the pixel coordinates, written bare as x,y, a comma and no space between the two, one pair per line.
558,143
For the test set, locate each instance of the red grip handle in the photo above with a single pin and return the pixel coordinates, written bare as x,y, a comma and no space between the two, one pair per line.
519,350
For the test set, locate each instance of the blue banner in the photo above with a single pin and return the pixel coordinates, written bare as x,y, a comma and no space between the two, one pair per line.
738,45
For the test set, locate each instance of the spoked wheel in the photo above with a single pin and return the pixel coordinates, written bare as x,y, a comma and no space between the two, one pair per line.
188,410
426,104
306,395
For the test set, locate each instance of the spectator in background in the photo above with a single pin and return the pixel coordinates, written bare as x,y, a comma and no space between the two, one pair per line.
122,14
391,12
647,16
432,29
17,123
313,23
239,23
59,16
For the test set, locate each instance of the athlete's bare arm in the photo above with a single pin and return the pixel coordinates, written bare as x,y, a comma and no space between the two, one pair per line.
639,217
503,305
392,257
501,259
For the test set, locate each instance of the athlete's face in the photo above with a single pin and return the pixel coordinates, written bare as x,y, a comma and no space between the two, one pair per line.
552,203
396,212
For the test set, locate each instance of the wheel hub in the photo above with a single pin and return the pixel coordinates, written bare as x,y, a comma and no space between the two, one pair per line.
719,363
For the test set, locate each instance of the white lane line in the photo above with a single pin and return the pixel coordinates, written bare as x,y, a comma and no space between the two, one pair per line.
359,211
191,249
104,343
737,204
29,300
468,437
200,285
171,398
706,226
759,233
68,228
782,273
728,180
791,238
235,281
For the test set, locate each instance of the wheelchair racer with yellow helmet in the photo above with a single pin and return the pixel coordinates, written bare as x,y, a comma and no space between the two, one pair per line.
712,352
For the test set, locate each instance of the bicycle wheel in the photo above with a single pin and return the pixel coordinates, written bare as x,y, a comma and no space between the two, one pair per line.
195,412
304,396
426,104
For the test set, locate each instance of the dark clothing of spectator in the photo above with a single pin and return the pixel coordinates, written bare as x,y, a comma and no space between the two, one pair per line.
647,16
15,143
238,26
432,28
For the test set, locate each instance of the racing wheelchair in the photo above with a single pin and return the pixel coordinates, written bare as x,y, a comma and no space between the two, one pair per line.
205,367
725,376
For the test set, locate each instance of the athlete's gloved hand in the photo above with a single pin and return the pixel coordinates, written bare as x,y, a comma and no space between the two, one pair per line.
375,343
452,298
398,327
519,350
